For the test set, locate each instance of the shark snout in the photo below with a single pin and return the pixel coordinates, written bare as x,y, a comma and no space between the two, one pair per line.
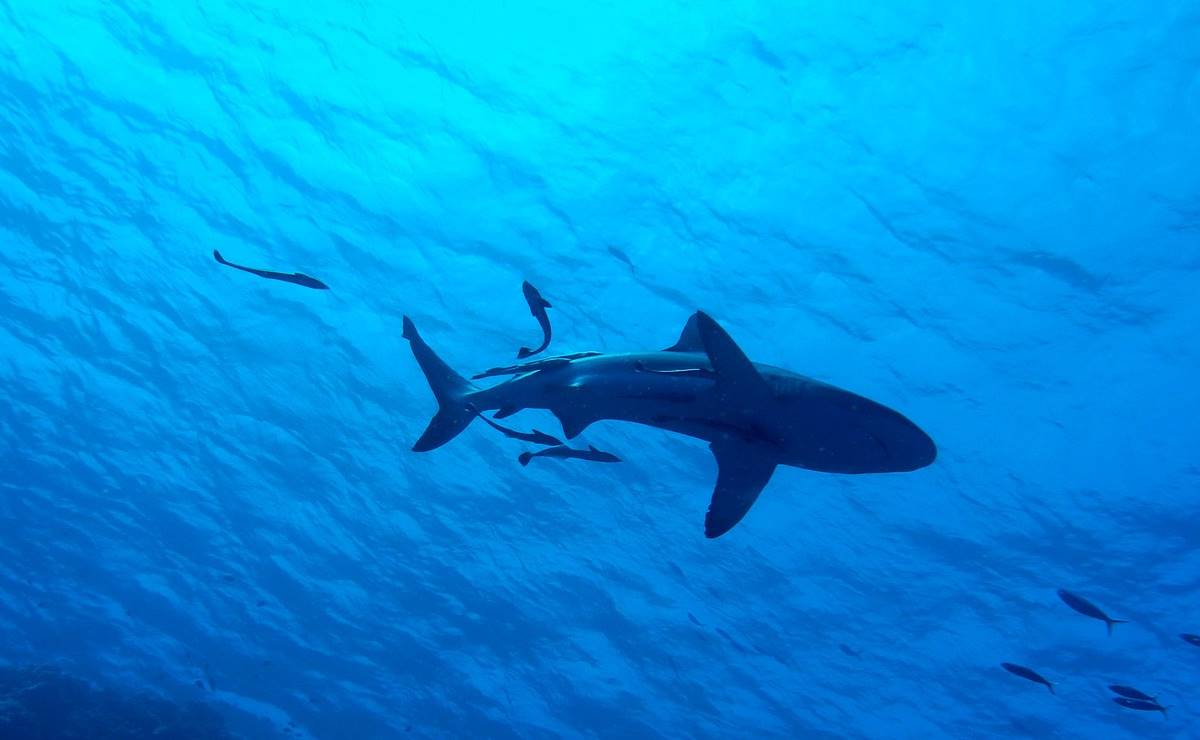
907,446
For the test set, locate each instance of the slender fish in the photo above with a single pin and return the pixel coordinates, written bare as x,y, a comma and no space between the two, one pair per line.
1141,706
1088,609
1028,674
537,307
564,452
534,437
297,278
1130,693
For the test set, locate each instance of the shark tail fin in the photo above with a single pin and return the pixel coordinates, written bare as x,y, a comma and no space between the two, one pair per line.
217,256
1110,622
451,390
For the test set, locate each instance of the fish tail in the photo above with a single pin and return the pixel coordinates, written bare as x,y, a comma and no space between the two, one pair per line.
1110,622
524,458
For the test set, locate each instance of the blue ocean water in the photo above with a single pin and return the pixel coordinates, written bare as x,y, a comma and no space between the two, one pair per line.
985,216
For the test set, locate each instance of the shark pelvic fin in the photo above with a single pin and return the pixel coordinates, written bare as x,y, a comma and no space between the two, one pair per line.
742,472
573,422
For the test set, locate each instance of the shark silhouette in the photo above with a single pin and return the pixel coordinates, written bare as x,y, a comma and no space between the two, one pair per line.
755,417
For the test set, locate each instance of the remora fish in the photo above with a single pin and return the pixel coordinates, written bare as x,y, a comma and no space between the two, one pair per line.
1028,674
564,452
755,417
534,437
537,307
298,278
1088,609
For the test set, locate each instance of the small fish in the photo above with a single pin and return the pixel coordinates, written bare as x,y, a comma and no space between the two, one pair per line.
1088,609
537,307
1028,674
694,620
1130,693
297,278
564,452
534,437
620,255
848,650
1190,638
730,639
1141,706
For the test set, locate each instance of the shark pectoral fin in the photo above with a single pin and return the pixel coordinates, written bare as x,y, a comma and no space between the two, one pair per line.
737,378
689,339
742,472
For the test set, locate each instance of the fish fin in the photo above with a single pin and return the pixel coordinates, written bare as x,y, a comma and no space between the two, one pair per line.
737,378
450,389
742,472
1050,685
1110,622
504,412
547,304
217,256
524,458
573,423
523,353
549,440
689,339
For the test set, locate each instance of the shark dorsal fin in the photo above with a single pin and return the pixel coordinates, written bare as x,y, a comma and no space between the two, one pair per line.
736,375
689,338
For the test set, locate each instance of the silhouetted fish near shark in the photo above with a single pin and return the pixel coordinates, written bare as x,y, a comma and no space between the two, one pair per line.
1028,674
1088,609
297,278
755,417
1140,705
1190,638
569,453
537,307
1130,692
534,437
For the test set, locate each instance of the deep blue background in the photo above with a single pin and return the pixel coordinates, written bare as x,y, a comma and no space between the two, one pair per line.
985,215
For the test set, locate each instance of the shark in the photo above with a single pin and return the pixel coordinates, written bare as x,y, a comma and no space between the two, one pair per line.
754,417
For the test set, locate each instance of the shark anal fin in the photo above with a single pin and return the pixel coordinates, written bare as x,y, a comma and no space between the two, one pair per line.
737,378
689,339
742,472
